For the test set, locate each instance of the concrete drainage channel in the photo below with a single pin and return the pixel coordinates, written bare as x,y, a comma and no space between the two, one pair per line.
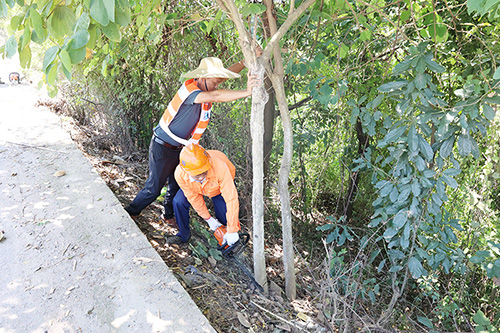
71,258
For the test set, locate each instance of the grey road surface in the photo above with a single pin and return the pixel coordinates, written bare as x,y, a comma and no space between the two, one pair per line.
71,259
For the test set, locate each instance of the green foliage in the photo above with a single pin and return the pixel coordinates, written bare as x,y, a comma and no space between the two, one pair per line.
483,323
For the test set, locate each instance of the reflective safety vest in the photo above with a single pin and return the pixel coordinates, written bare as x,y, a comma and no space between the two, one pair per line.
173,107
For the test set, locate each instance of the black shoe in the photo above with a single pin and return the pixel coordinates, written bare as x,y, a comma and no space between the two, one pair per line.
173,240
132,214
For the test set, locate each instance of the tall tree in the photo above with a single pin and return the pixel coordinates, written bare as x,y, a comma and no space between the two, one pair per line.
258,66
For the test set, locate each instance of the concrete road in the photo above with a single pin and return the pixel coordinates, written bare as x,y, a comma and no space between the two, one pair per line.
71,259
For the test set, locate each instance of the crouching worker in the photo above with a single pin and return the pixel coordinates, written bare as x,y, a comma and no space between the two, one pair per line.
206,173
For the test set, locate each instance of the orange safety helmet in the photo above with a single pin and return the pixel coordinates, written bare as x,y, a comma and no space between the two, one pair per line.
194,159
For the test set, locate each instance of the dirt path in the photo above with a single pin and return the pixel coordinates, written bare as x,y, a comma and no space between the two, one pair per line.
71,260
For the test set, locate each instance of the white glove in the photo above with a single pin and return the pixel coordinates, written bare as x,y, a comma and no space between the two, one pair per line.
231,237
213,223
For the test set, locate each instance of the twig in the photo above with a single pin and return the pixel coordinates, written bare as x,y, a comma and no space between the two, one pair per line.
275,315
32,146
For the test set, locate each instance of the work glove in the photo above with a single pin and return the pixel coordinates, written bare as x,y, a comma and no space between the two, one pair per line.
231,237
213,223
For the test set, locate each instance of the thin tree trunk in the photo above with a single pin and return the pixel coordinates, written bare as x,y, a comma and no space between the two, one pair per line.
269,114
286,163
257,130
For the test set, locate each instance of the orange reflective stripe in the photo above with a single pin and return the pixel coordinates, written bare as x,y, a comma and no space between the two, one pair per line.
196,136
203,124
167,117
173,107
176,102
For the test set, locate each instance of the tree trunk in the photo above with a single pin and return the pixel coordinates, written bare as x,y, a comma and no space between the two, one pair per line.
363,139
259,99
269,115
286,163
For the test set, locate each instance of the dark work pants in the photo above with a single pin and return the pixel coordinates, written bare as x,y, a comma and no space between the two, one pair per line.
181,209
162,163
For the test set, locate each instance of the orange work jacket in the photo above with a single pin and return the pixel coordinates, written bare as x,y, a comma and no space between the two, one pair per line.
219,180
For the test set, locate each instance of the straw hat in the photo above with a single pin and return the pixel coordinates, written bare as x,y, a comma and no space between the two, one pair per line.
211,67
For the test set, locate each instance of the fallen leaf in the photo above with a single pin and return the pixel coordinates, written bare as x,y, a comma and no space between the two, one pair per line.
243,320
284,327
59,173
212,261
1,235
303,316
140,260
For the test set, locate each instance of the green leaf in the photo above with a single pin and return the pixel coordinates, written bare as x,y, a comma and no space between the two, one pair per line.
395,134
3,9
488,112
103,11
447,146
83,22
256,8
65,59
413,140
343,50
395,269
80,39
49,57
401,67
425,148
450,181
415,268
415,188
15,21
434,66
492,100
464,144
420,81
25,57
488,6
496,75
123,15
325,227
77,55
475,6
36,22
391,86
425,321
389,233
93,36
65,71
26,38
11,46
326,89
376,102
451,172
480,318
52,74
39,39
61,22
400,219
112,32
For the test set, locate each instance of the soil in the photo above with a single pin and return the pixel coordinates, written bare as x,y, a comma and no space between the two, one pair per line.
224,294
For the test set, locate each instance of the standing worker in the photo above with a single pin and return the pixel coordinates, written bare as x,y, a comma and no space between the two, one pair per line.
184,122
206,173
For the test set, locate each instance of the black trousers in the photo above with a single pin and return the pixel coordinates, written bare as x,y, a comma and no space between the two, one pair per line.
162,164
